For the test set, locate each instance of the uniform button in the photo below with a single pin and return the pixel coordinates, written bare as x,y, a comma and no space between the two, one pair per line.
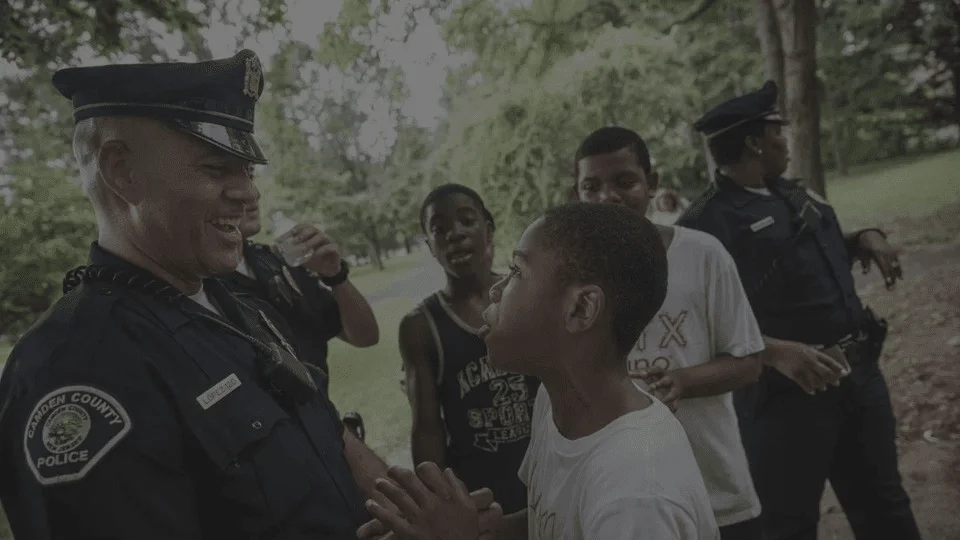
257,424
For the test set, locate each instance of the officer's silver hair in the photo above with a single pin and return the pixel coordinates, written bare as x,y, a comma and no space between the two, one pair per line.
86,146
89,136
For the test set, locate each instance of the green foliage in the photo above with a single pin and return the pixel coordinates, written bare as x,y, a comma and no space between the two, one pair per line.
45,232
35,33
513,138
46,226
886,70
539,76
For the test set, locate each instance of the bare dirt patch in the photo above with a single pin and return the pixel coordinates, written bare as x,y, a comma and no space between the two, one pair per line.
921,361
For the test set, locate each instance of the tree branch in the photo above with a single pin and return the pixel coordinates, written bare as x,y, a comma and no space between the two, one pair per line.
697,10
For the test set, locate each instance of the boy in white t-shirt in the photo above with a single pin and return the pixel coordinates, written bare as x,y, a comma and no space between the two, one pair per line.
605,460
703,343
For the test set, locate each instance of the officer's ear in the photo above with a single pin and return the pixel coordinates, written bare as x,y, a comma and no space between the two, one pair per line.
114,167
752,145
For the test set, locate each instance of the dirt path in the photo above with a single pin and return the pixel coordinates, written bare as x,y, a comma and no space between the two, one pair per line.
921,361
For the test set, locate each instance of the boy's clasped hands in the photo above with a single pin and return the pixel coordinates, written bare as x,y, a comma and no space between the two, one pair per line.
429,504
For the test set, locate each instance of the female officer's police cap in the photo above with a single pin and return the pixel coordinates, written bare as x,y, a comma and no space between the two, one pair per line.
759,105
213,100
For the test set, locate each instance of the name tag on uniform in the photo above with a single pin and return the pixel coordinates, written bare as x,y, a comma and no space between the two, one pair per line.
762,224
218,391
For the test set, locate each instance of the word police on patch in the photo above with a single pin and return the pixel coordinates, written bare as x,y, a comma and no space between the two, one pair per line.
70,430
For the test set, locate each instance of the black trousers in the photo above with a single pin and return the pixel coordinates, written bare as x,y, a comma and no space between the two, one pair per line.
752,529
795,442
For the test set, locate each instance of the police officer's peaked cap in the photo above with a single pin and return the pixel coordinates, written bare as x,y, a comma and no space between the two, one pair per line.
759,105
211,100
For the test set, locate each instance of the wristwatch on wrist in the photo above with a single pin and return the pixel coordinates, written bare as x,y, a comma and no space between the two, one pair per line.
339,277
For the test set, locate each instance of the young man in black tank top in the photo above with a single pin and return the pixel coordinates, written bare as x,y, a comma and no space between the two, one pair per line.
467,415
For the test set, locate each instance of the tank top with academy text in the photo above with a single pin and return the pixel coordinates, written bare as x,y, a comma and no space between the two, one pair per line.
486,411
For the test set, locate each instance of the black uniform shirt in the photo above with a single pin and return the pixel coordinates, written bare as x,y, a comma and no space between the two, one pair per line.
127,416
795,270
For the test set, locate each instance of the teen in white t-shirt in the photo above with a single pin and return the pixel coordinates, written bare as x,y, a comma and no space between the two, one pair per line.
702,344
705,314
635,478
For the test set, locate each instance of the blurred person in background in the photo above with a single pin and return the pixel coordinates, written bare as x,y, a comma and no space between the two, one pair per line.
315,297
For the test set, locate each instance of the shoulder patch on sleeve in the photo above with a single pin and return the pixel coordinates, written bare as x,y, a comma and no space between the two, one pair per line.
70,430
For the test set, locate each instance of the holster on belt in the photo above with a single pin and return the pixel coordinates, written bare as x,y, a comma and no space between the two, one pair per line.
875,331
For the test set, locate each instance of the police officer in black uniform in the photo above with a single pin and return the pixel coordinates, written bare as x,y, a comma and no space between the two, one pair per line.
316,298
149,402
821,410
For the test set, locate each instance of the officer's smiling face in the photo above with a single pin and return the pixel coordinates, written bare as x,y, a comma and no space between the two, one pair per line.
188,204
616,177
251,225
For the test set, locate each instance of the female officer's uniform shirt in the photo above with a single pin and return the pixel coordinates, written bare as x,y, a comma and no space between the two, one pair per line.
791,256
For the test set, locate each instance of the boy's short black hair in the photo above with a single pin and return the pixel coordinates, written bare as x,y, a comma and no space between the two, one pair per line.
611,139
727,148
446,190
617,249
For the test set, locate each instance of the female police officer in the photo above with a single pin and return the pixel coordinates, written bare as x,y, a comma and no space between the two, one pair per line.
149,402
805,425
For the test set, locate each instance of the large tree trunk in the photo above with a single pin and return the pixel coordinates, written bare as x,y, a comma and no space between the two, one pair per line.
836,131
373,237
768,31
956,93
798,33
955,67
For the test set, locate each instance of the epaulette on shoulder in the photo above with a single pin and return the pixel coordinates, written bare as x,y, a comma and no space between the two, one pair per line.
76,320
699,204
264,252
256,246
794,182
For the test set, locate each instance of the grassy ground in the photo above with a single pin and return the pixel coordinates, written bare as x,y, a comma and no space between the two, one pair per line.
367,381
370,280
880,191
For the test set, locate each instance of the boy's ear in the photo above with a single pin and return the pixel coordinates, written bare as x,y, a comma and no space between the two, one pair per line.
583,307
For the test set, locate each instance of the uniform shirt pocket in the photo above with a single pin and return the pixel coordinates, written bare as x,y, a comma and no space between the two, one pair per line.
262,459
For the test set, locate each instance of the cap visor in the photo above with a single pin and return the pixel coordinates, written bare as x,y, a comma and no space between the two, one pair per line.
232,140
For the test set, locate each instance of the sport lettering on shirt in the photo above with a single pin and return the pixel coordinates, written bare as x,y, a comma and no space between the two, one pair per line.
508,419
476,373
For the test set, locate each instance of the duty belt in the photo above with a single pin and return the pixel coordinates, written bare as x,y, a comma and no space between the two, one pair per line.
852,346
